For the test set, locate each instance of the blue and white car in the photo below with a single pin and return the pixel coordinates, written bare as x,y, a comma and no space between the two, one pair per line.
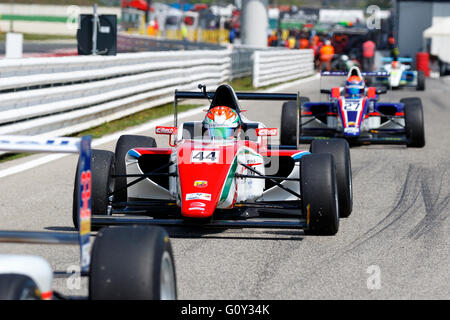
356,115
401,74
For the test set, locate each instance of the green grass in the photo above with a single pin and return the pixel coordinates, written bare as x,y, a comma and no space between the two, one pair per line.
243,84
41,37
13,156
134,120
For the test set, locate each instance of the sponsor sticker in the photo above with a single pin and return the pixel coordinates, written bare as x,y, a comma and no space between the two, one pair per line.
165,130
351,130
201,184
198,196
265,132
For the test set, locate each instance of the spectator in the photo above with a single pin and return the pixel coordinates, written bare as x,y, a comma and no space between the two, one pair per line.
368,49
291,42
391,42
326,54
232,35
392,47
304,43
273,39
314,44
184,32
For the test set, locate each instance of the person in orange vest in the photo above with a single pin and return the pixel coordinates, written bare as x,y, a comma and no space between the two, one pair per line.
273,39
326,53
304,43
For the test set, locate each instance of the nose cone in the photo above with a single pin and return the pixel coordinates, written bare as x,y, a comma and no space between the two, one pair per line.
203,173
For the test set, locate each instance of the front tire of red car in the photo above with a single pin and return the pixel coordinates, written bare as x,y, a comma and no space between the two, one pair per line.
340,150
319,193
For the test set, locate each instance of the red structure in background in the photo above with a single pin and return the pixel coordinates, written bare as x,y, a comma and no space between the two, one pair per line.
423,62
137,4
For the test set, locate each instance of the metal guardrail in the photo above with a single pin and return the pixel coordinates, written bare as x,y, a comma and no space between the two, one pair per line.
271,67
241,55
62,96
138,43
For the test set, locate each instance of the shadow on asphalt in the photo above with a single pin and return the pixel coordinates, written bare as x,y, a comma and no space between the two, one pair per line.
217,233
234,234
59,228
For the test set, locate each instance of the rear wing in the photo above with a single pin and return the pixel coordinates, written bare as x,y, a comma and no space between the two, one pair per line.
364,74
400,59
240,95
58,145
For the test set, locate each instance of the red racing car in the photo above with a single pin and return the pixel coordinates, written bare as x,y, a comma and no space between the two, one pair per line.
223,172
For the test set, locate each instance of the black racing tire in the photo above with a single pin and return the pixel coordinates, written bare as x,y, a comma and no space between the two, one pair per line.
18,287
132,263
102,169
414,122
125,144
318,187
340,150
420,81
291,119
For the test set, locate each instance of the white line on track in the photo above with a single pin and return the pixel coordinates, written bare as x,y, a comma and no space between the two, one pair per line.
145,127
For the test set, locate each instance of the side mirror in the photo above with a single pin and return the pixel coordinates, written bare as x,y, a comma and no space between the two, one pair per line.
326,91
381,91
266,132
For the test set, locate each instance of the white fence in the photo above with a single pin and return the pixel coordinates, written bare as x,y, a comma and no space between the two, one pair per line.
62,96
271,67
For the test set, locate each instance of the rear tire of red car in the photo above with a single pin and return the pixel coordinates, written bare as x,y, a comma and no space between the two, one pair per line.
414,122
420,81
319,193
132,263
340,150
125,144
291,119
102,169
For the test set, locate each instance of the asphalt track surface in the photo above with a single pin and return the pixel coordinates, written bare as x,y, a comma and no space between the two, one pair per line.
399,225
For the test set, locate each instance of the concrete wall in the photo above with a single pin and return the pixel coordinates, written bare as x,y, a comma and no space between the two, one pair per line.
441,9
254,23
413,17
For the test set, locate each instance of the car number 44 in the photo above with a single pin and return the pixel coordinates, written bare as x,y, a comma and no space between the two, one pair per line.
205,156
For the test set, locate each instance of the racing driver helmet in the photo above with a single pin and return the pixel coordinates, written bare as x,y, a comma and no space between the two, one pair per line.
222,122
354,86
